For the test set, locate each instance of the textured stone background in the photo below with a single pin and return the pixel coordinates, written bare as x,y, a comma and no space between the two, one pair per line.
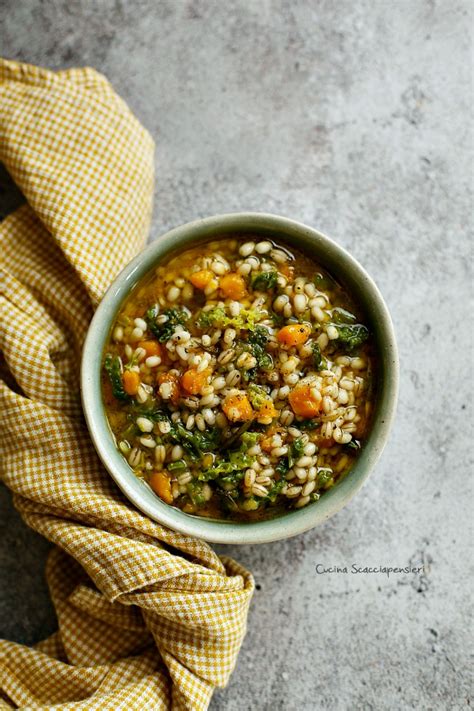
352,117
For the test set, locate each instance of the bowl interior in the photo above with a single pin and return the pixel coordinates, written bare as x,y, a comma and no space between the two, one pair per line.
359,286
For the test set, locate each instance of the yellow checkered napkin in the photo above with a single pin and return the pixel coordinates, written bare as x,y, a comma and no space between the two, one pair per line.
148,618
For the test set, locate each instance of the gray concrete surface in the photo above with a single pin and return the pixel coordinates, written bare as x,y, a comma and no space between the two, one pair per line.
353,117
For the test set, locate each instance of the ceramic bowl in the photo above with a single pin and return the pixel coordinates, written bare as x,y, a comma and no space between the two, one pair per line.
358,284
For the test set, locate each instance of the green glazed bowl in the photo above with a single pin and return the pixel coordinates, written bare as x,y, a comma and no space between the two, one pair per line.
361,288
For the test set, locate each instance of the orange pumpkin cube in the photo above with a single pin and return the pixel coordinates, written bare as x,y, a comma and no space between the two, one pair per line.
160,482
303,402
237,408
295,334
233,286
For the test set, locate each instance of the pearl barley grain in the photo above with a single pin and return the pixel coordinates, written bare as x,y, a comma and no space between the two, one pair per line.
136,334
279,256
173,293
247,249
263,247
300,302
280,302
153,361
144,424
140,323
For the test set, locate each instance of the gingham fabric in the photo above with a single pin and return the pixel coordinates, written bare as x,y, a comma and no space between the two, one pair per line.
148,618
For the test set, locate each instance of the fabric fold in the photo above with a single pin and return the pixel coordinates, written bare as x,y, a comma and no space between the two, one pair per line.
147,618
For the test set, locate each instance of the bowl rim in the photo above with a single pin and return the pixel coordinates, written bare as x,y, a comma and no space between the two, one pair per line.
136,490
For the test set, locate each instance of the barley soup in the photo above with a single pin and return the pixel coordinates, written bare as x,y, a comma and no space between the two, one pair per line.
238,380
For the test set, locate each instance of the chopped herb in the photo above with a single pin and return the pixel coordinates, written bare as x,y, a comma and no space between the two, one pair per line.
265,363
282,467
195,492
308,424
236,461
252,504
112,365
296,451
259,336
264,281
211,317
319,361
132,362
351,336
278,319
240,459
324,479
195,443
257,341
164,331
178,466
257,396
246,319
214,472
249,439
264,360
275,490
352,446
340,315
230,481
